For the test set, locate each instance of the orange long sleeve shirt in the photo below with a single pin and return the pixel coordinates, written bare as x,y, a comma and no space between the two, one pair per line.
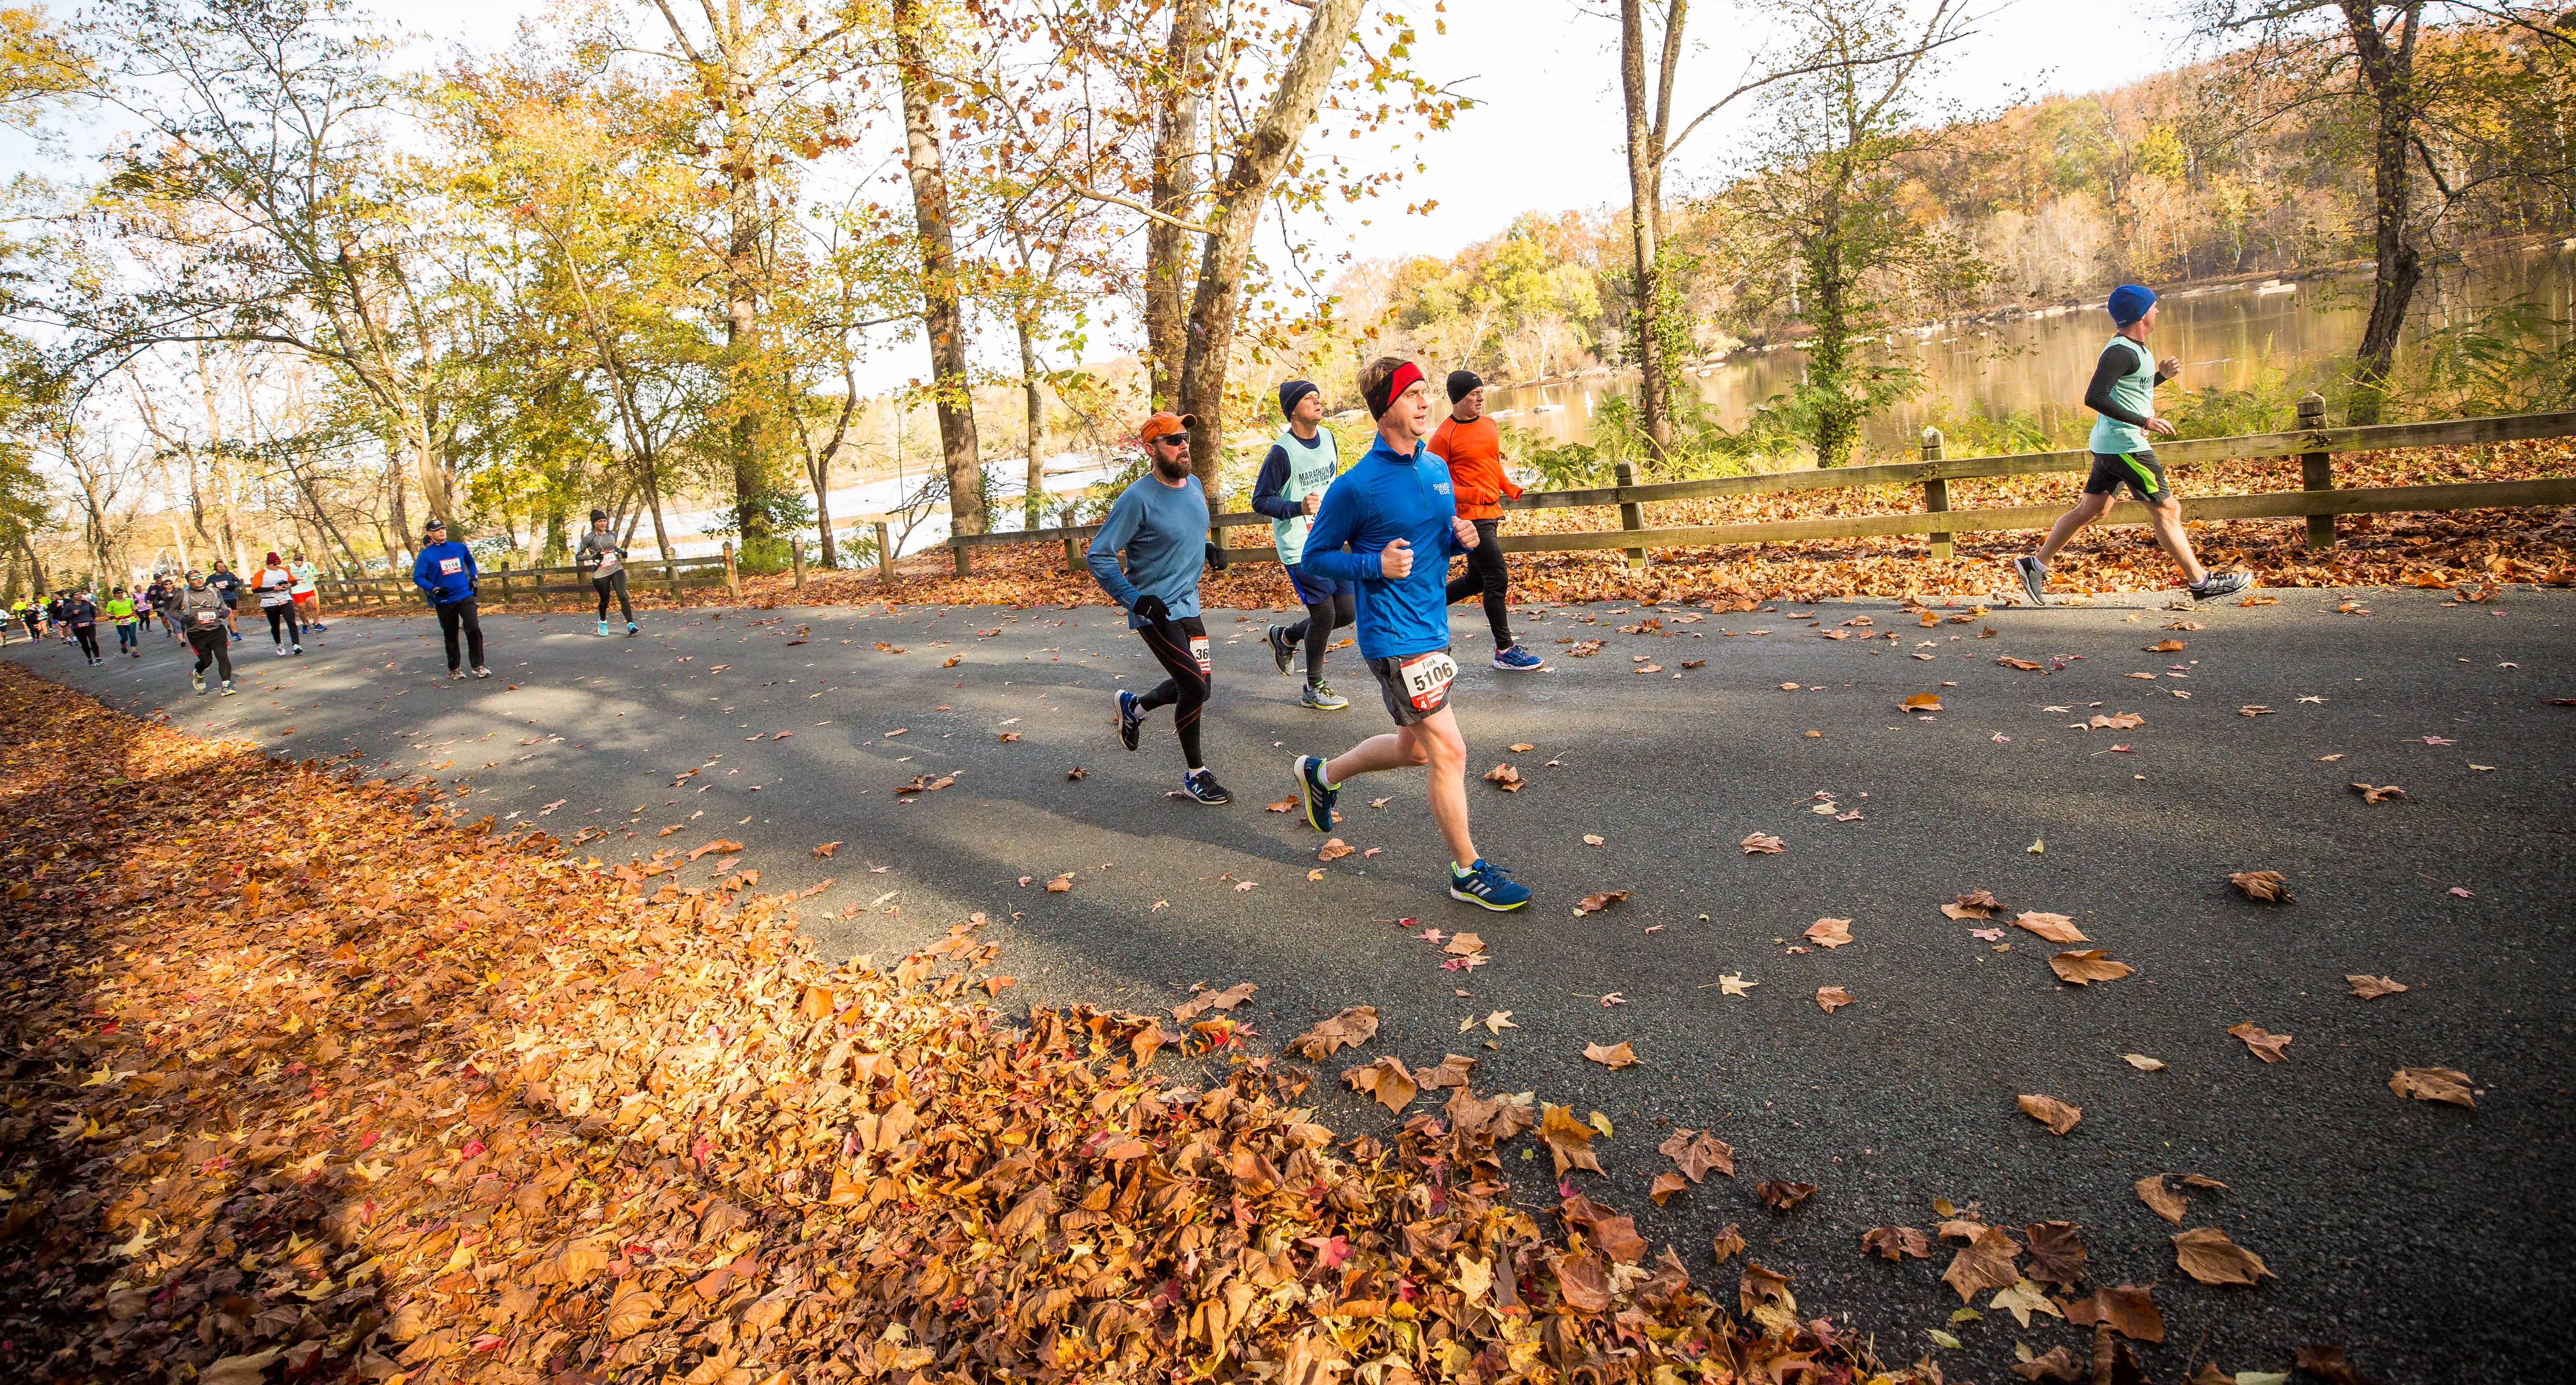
1474,452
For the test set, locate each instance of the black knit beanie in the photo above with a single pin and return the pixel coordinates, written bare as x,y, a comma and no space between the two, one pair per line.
1463,383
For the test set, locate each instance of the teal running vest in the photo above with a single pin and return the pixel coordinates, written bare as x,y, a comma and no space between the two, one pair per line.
1311,467
2136,392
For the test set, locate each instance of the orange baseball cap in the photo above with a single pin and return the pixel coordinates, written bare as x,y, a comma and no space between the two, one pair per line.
1164,424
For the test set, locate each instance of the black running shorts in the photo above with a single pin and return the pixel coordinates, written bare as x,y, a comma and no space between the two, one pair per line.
2139,471
1415,685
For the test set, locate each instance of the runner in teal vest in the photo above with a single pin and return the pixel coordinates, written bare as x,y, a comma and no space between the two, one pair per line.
2123,395
1303,460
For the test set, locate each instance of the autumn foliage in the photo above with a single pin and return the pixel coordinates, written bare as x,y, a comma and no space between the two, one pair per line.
306,1082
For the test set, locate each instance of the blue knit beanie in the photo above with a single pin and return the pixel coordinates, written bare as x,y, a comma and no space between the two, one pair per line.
1292,391
2129,302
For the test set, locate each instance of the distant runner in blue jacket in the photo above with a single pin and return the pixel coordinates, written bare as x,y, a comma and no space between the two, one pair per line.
444,572
1389,526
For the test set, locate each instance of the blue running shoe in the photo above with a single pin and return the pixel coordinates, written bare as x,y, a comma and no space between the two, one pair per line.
1282,653
1317,795
1518,660
1131,719
1487,885
603,629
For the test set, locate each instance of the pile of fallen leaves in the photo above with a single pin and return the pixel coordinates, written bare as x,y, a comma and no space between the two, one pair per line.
2426,549
304,1082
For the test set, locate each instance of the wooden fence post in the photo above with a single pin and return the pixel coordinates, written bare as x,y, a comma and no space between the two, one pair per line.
964,556
671,574
2316,469
1072,553
1631,514
1936,491
885,555
796,546
733,575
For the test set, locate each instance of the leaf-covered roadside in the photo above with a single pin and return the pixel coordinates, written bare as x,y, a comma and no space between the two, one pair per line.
300,1085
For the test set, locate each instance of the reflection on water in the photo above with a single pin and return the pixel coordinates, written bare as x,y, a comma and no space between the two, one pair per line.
2233,336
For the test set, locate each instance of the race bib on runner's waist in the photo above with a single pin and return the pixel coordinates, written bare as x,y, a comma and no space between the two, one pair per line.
1199,651
1427,678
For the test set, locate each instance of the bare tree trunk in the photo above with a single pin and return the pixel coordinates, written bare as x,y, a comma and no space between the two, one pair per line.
818,464
2397,267
1247,183
943,311
1033,501
1645,204
1175,172
742,271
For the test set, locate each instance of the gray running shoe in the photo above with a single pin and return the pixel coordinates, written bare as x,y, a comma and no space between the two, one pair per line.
1282,653
2221,584
2034,578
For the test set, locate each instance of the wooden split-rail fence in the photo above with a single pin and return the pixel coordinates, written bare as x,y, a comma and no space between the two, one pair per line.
2312,445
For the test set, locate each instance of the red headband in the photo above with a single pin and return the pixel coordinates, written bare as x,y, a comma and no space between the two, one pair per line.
1406,376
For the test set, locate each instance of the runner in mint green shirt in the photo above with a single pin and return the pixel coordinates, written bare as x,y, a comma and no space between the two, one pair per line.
2123,398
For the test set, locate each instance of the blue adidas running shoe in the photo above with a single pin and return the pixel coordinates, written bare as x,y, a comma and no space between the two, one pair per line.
1487,885
1131,719
1317,795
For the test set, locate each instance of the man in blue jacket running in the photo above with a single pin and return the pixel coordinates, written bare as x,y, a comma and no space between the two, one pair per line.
444,572
1389,526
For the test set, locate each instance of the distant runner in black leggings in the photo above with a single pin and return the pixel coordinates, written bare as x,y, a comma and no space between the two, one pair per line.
276,587
1161,525
606,559
1303,461
201,613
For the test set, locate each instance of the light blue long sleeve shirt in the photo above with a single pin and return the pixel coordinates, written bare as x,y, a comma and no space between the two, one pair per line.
1163,531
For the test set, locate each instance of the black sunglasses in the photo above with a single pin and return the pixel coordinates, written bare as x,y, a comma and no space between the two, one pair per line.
1176,439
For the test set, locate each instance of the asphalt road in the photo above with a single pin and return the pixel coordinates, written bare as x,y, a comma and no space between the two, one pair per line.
2431,1242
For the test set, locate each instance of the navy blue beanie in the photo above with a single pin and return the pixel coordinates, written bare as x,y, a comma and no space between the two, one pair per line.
2129,302
1292,391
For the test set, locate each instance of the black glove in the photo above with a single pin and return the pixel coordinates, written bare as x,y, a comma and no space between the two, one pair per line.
1215,556
1151,610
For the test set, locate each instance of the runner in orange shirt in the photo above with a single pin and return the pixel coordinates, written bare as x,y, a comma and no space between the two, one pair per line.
1473,447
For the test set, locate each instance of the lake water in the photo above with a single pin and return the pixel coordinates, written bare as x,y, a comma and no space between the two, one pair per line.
2234,336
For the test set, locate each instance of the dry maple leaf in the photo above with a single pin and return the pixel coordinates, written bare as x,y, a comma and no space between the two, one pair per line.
1333,849
1504,777
2328,1363
2165,647
1698,1153
1595,903
2254,709
2119,722
2262,886
1780,1194
1282,806
2087,967
1727,1244
2265,1045
2058,1116
1922,702
2434,1084
1613,1057
1061,884
2024,665
2056,1253
2379,793
1760,844
1975,904
2056,928
2143,1063
719,844
1897,1242
1829,932
2127,1309
2205,1253
1522,747
1568,1139
2373,987
1464,945
1831,998
1078,772
827,848
1986,1262
1386,1080
1586,649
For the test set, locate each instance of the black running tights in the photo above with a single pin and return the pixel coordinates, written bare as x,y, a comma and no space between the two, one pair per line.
613,582
1180,646
88,637
1316,631
213,646
1486,573
283,628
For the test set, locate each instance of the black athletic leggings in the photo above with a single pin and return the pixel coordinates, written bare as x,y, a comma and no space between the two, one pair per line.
1180,647
1486,573
214,646
1316,631
283,627
454,615
613,582
88,637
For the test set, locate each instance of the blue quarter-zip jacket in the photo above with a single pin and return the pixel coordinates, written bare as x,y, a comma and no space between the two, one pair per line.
444,572
1387,496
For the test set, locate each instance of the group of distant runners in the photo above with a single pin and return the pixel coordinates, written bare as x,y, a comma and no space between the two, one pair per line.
1370,548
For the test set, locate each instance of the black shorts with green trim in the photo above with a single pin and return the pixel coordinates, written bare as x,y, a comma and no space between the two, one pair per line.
2139,471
